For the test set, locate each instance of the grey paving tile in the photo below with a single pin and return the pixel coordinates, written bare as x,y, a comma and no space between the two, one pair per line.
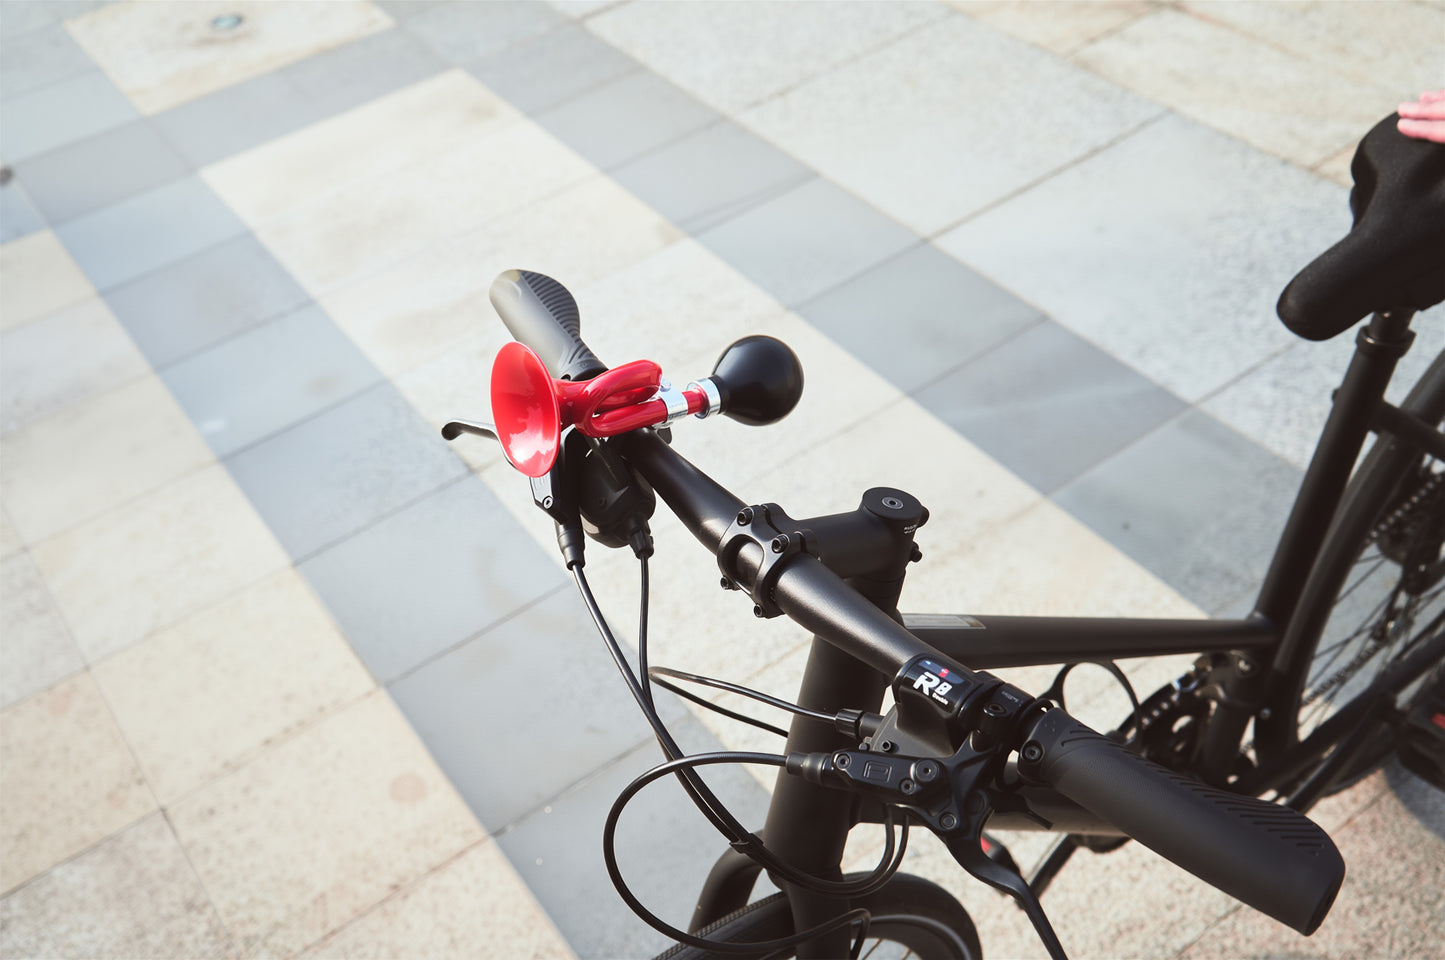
711,176
351,74
236,118
918,315
149,231
1194,502
1048,405
806,241
17,215
583,718
268,378
18,17
61,113
664,848
37,58
406,9
423,580
84,176
201,300
343,469
544,71
465,31
626,118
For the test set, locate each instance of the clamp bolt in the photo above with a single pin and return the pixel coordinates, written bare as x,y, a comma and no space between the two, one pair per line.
758,611
727,584
841,761
948,821
908,787
885,745
745,516
994,709
925,771
780,543
1032,751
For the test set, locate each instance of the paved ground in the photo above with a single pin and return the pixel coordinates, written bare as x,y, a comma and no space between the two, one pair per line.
269,644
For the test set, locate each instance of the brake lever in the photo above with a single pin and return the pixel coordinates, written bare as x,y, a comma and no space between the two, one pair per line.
455,428
951,796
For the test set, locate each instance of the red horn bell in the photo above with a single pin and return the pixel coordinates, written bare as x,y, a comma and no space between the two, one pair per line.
531,408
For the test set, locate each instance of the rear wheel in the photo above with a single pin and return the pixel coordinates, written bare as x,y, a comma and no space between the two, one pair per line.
910,917
1385,556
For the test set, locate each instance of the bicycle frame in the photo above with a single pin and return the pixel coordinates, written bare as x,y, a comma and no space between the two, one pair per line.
1255,663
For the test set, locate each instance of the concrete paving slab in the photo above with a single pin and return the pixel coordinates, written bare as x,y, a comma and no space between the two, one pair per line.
551,68
806,241
464,32
1168,250
425,579
342,470
38,58
921,157
183,217
197,302
1194,502
268,378
62,359
1048,405
920,298
89,174
625,118
61,113
34,641
135,894
39,277
18,216
711,176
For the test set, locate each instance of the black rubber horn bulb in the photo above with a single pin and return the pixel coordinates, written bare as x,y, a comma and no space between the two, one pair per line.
759,379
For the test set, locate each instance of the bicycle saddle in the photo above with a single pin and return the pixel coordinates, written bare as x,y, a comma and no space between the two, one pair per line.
1393,258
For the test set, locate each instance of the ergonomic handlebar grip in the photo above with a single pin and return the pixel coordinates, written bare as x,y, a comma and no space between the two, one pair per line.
1272,858
542,314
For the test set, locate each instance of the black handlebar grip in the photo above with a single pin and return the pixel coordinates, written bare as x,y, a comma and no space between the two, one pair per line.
540,313
1272,858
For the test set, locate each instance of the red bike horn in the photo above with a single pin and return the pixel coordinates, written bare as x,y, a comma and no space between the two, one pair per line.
531,408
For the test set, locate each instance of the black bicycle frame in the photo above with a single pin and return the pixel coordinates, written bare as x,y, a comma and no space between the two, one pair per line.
1255,662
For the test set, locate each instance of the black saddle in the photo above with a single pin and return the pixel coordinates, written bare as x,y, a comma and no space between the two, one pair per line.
1393,258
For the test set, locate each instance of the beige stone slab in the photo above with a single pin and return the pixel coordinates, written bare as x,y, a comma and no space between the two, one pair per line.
73,354
164,54
135,438
67,779
476,905
172,552
10,541
1394,44
1337,167
1277,101
35,646
315,831
732,55
206,695
133,895
37,278
947,121
1059,26
1392,903
370,224
407,127
680,307
427,305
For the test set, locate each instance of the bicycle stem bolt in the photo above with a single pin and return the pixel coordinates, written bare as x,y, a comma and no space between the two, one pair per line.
1032,751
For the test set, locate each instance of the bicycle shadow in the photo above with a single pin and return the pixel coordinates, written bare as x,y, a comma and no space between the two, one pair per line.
1423,801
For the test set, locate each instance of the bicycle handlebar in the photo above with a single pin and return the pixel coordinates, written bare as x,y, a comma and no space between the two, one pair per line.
1271,857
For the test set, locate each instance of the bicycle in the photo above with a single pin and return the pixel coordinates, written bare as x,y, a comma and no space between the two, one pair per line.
1340,664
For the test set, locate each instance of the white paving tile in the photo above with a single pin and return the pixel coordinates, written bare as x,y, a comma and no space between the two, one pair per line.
164,54
930,135
35,647
37,278
1292,107
1168,250
732,55
1059,26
